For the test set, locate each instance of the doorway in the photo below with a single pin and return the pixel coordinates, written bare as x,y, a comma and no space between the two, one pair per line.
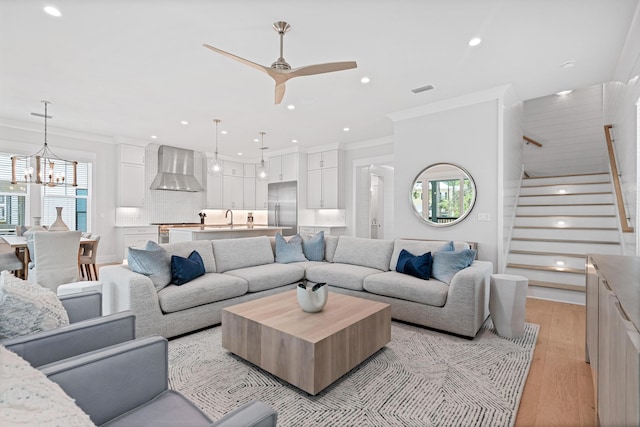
373,197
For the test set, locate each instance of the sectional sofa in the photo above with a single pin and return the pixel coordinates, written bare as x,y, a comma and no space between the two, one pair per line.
239,270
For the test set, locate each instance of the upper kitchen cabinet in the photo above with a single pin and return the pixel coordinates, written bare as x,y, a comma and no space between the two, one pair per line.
214,191
325,181
233,169
284,168
131,176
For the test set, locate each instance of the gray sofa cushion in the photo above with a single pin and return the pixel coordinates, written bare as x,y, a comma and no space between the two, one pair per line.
419,247
364,252
232,254
402,286
330,245
340,275
268,276
308,264
205,289
183,249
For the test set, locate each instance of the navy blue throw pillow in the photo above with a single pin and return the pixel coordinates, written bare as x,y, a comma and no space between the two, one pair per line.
416,265
184,270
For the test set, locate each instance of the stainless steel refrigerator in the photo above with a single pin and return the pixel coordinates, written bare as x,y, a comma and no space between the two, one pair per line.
283,206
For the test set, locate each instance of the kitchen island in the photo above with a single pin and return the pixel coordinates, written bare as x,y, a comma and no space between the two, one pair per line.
212,232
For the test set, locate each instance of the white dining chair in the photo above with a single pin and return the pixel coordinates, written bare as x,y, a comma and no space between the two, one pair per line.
55,258
10,261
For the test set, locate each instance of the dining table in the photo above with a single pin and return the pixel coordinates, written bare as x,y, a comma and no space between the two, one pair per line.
19,244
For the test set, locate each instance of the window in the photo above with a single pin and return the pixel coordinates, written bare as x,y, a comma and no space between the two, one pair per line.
73,200
13,198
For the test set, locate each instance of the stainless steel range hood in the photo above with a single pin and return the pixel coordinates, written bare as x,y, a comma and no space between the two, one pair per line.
175,170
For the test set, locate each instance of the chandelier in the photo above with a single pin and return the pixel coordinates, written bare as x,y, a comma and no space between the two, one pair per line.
44,167
262,173
215,166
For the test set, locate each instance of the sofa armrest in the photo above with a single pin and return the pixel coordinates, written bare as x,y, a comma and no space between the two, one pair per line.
81,337
252,414
109,382
469,288
82,306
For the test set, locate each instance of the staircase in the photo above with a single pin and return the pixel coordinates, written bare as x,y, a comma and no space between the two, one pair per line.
558,221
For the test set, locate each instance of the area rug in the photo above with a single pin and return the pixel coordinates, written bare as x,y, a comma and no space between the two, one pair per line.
421,378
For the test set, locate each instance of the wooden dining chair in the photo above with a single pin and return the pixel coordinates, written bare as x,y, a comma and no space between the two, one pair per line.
88,251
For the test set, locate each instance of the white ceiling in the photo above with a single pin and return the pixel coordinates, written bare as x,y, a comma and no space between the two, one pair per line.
137,68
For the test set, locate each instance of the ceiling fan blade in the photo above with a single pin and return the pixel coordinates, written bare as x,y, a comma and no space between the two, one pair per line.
239,59
280,87
330,67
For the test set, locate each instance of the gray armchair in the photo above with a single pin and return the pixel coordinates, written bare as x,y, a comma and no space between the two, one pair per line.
87,331
127,385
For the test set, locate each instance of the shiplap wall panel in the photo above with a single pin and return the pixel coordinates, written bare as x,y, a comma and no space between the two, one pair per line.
571,130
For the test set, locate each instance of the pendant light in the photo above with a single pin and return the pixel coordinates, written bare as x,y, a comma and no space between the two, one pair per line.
215,166
50,169
261,173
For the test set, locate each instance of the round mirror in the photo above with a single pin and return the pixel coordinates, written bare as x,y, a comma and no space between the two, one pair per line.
443,194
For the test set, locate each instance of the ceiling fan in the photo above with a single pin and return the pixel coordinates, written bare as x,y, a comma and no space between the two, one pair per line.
281,71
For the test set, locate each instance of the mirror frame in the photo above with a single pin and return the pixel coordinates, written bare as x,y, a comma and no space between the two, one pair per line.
461,217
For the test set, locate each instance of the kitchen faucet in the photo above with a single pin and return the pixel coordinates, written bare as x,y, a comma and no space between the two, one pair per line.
227,213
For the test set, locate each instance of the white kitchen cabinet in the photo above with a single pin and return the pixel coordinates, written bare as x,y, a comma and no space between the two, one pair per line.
131,176
261,194
249,192
232,192
333,230
613,347
214,191
325,189
137,236
283,168
233,169
249,170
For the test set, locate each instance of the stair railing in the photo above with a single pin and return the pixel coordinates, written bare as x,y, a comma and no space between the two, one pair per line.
531,141
624,224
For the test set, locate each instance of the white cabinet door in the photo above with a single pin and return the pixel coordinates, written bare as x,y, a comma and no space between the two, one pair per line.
232,192
329,159
214,191
314,161
131,185
233,169
632,393
275,169
249,170
290,167
132,154
330,188
249,193
314,189
261,194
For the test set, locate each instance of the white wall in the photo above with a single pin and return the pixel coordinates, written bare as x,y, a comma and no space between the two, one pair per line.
462,131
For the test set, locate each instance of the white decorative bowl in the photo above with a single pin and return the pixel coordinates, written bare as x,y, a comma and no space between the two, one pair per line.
312,301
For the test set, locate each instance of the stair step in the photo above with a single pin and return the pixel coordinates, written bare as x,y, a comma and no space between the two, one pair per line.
562,246
577,178
564,221
563,189
595,198
556,285
547,268
566,234
565,210
573,279
546,259
596,242
553,184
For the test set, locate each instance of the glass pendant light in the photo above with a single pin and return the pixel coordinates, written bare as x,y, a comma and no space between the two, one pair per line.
261,173
215,165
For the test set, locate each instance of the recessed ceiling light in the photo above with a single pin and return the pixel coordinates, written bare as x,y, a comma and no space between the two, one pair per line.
564,92
239,154
52,11
295,141
568,64
346,129
154,137
224,132
365,80
291,107
184,122
475,41
256,140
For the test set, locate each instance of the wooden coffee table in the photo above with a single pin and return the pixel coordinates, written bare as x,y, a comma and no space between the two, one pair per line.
308,350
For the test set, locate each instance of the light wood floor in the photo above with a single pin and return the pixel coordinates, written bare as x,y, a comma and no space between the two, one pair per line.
559,389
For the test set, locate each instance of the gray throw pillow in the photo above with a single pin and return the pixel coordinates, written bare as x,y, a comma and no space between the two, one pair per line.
447,263
152,261
313,247
291,251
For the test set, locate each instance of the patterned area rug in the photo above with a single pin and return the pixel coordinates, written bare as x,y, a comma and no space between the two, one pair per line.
421,378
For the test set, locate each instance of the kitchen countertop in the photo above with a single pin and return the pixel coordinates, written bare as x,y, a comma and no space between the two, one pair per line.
208,228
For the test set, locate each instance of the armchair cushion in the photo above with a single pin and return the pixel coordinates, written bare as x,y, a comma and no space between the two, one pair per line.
26,308
27,397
